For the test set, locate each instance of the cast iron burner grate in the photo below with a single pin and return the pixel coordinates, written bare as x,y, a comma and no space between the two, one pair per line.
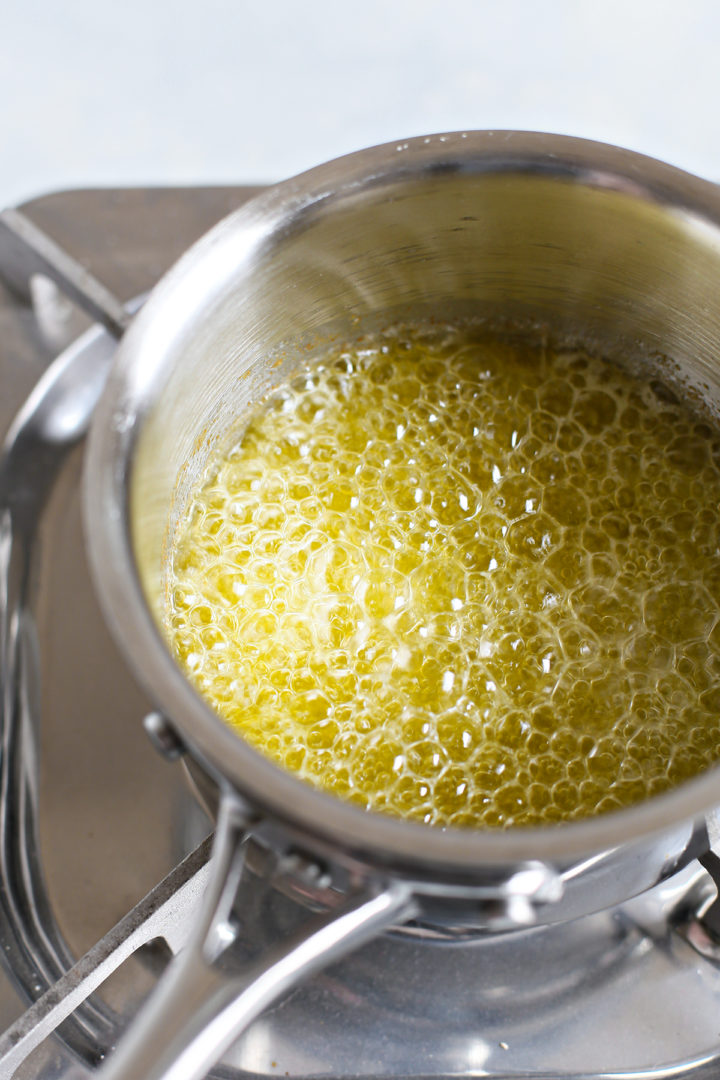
90,820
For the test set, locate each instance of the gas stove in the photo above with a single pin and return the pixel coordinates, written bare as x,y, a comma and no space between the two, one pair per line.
91,819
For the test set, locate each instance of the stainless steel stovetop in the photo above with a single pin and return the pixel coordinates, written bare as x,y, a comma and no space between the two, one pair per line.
96,819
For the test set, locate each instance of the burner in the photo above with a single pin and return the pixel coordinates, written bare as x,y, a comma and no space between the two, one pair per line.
91,819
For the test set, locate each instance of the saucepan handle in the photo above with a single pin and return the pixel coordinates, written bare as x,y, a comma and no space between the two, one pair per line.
207,999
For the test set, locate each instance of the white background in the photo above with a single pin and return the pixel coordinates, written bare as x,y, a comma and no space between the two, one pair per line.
215,91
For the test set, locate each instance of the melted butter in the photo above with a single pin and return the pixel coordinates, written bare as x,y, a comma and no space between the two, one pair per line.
465,583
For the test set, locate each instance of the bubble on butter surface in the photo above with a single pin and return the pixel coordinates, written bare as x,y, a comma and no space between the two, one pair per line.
463,582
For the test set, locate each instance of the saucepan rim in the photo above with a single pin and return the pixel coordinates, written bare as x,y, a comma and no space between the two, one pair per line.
372,837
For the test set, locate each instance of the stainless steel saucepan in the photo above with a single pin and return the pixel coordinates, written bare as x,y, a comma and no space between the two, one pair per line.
544,233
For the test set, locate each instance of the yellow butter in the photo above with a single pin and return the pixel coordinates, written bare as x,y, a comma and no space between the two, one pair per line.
468,583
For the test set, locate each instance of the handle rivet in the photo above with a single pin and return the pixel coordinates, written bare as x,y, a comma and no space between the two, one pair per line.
163,736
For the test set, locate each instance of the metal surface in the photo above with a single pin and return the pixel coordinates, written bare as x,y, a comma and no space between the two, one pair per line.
167,914
52,422
108,833
591,242
104,838
618,994
213,991
26,251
